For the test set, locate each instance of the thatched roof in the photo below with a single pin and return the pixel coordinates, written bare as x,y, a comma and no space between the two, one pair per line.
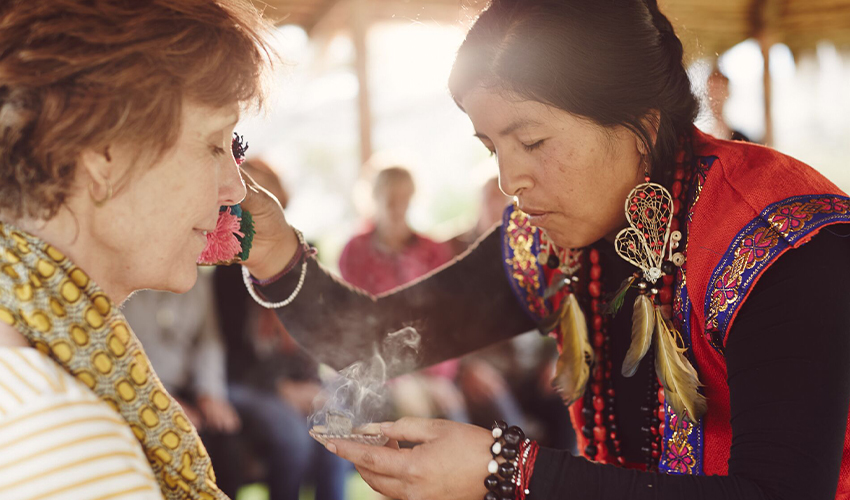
714,26
706,26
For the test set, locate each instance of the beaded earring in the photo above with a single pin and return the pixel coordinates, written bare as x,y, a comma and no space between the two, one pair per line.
649,243
572,369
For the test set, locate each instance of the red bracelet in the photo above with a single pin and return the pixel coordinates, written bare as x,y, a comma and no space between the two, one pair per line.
300,253
525,467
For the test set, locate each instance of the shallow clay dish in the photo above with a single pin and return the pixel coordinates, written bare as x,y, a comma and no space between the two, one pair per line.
366,434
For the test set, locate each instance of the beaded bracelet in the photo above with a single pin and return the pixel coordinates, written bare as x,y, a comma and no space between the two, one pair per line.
249,283
505,480
528,455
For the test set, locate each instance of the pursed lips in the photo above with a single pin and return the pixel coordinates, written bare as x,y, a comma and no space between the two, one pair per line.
536,216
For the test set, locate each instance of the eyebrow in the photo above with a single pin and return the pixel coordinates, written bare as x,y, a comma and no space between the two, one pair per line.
511,128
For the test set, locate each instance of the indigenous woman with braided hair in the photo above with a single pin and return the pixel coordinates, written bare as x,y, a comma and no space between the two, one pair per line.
698,288
116,140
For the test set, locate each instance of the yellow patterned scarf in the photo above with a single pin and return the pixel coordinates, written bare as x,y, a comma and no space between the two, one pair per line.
64,314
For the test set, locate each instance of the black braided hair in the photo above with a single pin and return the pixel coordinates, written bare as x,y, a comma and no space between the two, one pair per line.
685,106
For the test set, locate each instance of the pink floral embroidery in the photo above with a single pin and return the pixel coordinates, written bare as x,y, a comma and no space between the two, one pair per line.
789,222
726,288
678,425
757,245
524,269
831,205
790,218
680,456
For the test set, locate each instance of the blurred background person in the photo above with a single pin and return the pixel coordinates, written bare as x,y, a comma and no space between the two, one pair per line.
718,93
490,209
389,254
272,384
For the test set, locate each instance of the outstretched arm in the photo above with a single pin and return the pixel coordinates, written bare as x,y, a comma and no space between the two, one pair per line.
463,306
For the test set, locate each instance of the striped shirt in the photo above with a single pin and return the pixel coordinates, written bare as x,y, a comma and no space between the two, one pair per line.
58,440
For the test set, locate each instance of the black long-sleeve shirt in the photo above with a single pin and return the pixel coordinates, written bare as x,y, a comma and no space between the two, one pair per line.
787,355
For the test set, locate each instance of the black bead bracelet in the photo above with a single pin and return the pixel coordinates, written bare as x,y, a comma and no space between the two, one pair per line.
501,483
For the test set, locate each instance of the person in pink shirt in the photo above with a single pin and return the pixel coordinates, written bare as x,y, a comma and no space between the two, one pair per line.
387,256
391,253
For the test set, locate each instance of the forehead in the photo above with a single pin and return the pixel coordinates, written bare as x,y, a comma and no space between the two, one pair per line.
201,119
495,103
494,111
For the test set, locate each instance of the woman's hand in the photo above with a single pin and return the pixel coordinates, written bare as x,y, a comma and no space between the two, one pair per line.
274,242
219,415
449,461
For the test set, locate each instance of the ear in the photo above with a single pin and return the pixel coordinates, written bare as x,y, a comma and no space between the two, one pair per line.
651,122
97,164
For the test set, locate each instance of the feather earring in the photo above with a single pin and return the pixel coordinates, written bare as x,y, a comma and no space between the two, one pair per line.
573,367
643,324
648,243
675,372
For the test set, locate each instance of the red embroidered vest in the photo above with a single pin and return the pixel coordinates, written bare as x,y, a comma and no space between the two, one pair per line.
748,206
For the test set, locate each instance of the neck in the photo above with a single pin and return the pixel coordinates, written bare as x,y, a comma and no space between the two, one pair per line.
612,236
9,337
394,240
69,233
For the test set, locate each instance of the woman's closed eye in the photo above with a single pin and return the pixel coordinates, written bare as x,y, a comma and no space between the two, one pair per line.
534,145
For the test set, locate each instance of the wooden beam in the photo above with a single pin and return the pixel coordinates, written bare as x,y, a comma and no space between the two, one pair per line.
360,22
766,42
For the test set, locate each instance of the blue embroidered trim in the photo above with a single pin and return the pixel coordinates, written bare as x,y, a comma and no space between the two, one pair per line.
682,448
778,227
524,272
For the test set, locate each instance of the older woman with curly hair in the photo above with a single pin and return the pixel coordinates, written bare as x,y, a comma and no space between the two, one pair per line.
116,122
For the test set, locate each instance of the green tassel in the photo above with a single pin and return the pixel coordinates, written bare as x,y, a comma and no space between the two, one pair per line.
616,302
247,228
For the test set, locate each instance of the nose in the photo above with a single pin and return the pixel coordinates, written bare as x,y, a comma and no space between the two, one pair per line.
513,177
231,189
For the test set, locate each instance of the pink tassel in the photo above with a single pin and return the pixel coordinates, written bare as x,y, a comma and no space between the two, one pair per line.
222,245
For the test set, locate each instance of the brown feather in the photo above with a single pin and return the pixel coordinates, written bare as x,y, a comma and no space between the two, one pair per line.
573,366
675,372
643,324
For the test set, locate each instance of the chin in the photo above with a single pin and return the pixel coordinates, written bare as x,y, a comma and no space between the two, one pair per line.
182,280
567,239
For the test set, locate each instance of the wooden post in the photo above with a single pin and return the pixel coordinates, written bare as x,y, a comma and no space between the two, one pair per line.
765,44
360,21
764,20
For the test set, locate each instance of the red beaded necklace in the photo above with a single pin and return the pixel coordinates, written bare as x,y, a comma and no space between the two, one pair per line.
600,422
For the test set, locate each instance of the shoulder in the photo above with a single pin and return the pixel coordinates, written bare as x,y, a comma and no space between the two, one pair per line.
751,176
825,258
62,436
806,286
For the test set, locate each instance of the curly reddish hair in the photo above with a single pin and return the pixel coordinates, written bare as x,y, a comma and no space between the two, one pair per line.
79,74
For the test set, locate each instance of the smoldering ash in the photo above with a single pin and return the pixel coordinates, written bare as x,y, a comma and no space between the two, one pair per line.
358,394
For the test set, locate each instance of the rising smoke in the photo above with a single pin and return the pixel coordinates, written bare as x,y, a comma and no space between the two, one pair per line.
359,391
